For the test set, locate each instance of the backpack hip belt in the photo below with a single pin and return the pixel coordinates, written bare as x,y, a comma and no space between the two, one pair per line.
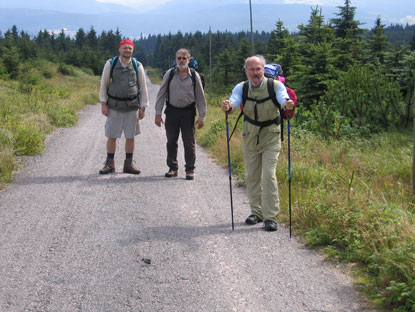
122,99
190,106
263,124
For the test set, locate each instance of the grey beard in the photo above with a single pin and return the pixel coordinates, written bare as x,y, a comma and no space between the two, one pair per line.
181,67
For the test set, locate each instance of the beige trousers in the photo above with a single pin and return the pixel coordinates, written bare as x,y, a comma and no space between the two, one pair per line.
261,151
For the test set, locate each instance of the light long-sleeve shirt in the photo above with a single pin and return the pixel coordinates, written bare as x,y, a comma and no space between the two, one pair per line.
280,92
105,80
182,93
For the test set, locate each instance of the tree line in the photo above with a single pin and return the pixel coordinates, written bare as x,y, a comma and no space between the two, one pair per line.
348,79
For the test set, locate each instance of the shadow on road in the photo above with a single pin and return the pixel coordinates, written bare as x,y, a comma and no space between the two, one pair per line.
115,178
187,233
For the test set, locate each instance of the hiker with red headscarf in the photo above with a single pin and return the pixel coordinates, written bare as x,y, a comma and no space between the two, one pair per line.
123,92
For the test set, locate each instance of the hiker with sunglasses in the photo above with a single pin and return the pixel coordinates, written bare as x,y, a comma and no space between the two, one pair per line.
261,140
124,98
182,92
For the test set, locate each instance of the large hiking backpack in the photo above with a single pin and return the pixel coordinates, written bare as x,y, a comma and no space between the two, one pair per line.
272,72
114,61
193,70
194,66
135,65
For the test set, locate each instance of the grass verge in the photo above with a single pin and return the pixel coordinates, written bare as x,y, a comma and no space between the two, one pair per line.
44,96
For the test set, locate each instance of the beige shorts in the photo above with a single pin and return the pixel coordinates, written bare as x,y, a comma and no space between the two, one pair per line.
117,122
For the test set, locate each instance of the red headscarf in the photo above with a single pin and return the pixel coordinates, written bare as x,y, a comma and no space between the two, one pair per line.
126,41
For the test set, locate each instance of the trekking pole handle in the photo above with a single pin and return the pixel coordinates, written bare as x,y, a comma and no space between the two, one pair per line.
289,105
226,106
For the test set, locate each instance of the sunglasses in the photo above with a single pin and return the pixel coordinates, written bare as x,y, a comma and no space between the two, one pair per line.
181,58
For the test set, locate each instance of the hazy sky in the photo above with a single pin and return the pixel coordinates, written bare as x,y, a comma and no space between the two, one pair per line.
221,14
156,3
373,5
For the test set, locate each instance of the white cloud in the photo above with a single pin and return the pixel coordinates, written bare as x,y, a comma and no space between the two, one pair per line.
409,19
316,2
138,4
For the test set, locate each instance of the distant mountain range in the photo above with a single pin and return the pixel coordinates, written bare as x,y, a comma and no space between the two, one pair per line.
183,15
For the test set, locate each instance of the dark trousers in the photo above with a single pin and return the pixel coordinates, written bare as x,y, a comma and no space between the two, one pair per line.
180,120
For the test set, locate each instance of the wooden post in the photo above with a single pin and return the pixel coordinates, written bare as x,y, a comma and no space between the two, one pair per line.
210,63
252,29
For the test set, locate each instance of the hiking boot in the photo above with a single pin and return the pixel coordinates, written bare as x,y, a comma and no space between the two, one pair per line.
130,168
108,166
190,175
171,174
270,226
252,219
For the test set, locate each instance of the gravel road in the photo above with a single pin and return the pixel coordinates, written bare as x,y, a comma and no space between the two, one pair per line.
73,240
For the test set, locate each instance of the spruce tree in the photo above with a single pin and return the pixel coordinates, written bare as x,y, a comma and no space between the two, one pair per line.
277,41
345,25
412,43
243,52
314,75
63,43
80,38
377,41
348,37
283,49
224,68
314,32
91,38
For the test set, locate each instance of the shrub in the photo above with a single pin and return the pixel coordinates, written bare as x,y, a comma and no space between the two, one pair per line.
66,70
87,71
364,98
7,162
11,61
28,139
91,98
28,79
47,73
61,116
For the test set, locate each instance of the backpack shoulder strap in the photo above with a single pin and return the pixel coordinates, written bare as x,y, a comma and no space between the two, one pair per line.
245,89
114,61
193,71
273,96
171,75
136,64
193,76
112,65
271,92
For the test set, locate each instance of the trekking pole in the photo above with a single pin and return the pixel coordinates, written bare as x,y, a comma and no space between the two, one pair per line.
229,167
289,168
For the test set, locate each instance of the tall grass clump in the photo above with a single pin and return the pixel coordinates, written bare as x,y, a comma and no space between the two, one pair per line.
7,161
